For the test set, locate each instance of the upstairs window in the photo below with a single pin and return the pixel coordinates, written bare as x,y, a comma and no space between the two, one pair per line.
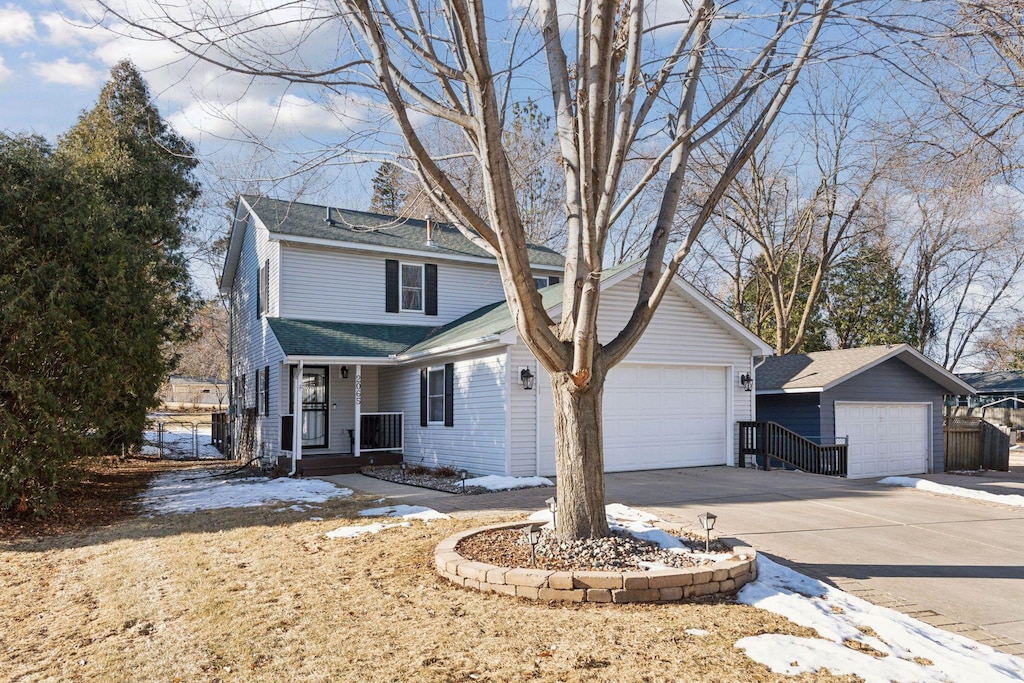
412,287
262,289
541,282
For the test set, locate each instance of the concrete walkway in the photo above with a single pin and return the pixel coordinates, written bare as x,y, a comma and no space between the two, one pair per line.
955,563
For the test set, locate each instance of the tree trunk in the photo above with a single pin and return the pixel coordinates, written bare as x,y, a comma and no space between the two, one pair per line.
579,455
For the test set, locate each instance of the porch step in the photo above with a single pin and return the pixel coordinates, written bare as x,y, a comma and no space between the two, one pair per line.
325,465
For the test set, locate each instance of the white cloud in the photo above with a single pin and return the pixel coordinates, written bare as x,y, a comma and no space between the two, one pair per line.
65,72
65,30
4,71
16,25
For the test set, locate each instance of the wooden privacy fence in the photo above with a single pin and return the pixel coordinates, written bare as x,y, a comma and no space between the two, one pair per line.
974,444
771,441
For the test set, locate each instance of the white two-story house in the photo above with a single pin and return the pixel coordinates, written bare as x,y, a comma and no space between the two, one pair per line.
359,338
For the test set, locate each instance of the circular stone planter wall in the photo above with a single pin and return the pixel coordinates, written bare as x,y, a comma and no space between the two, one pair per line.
657,585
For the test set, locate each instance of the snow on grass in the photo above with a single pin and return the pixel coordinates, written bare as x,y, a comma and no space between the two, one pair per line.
958,491
913,650
190,490
405,512
495,483
359,530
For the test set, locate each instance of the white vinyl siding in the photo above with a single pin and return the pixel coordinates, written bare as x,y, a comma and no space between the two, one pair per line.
326,284
523,413
254,347
478,440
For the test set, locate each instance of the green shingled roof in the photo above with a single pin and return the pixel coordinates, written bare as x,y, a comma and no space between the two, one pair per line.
320,338
371,229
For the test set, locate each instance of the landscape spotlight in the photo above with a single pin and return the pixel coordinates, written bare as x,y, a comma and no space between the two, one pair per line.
553,507
533,536
707,520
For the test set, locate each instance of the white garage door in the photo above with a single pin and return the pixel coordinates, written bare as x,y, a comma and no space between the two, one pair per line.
886,439
655,416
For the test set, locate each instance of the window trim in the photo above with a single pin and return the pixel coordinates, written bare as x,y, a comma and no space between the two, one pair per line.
401,287
441,396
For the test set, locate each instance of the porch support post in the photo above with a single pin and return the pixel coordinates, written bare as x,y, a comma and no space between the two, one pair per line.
297,412
359,409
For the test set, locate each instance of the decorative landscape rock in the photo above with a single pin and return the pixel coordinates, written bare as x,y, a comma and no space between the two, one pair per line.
616,586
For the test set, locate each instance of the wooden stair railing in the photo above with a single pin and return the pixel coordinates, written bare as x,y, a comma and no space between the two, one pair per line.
770,440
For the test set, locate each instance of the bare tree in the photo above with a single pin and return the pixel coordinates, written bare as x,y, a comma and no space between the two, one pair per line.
774,235
626,79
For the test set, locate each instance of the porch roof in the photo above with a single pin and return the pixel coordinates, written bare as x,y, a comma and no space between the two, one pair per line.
322,338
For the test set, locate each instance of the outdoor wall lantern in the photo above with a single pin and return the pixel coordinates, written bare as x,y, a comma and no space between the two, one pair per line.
553,507
462,475
707,520
532,534
747,381
344,372
526,377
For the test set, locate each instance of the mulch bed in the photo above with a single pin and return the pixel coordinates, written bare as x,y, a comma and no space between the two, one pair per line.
424,480
509,548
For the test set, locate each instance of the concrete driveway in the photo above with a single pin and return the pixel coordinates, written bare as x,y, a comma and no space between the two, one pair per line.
952,562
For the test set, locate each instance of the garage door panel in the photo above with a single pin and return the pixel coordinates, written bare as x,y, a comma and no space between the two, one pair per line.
885,439
655,417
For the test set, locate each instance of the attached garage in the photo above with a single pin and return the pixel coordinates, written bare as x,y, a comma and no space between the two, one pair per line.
884,401
656,417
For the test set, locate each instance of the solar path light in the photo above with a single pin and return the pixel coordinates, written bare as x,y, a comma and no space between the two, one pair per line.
707,520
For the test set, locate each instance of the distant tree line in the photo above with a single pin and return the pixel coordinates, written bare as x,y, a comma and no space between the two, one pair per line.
95,286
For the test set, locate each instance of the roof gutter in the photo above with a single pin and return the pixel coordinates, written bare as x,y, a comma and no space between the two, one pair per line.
486,342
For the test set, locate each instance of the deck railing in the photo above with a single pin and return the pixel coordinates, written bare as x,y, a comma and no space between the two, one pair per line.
771,441
381,432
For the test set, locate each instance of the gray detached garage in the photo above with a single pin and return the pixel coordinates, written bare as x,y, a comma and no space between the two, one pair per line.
884,401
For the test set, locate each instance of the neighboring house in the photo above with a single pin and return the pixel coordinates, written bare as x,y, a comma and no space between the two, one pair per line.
884,401
398,339
193,392
1005,387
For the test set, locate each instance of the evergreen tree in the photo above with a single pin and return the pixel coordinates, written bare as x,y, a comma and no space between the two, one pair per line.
95,286
388,195
139,168
866,302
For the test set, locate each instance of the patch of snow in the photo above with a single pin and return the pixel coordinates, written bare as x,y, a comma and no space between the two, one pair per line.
626,513
316,519
178,442
696,632
354,531
838,616
190,490
495,483
958,491
405,512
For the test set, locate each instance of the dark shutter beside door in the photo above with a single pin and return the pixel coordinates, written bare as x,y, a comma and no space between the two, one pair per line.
449,394
391,286
430,289
423,397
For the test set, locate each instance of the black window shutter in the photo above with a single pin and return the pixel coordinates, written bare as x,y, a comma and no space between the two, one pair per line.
449,394
391,286
259,292
430,289
554,279
423,397
287,431
266,390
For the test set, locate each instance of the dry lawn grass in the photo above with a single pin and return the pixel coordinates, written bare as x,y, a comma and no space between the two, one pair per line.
255,595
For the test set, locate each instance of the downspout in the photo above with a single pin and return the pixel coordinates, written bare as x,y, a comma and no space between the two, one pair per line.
297,421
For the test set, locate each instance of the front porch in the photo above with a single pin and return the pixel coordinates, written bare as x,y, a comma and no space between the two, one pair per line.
334,425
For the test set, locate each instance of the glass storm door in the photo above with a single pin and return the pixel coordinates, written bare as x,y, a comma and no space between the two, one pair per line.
314,407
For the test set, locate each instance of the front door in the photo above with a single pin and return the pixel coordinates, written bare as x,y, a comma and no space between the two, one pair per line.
314,407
